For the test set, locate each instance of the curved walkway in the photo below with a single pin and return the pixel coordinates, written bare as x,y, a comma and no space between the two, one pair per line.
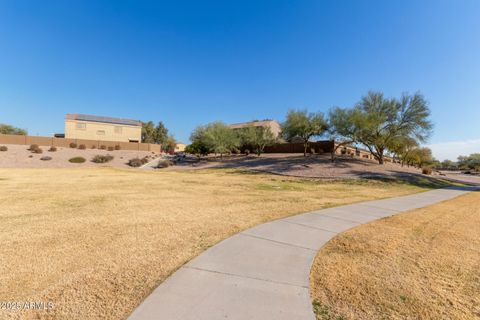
263,273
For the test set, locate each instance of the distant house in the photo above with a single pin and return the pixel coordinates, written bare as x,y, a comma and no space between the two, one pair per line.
272,124
82,126
180,147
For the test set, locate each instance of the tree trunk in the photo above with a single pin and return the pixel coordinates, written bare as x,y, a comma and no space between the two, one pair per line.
379,155
305,146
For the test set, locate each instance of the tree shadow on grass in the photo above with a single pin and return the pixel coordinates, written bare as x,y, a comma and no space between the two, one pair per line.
419,180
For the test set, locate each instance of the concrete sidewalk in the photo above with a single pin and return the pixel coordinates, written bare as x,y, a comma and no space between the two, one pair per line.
263,273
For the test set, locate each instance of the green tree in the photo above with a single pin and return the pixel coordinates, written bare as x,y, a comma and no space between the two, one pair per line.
257,138
342,128
8,129
220,138
469,162
215,137
377,122
148,132
197,148
170,144
448,164
402,146
421,157
161,134
300,123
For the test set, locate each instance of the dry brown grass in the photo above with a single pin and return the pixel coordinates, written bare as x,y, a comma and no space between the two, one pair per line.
419,265
97,241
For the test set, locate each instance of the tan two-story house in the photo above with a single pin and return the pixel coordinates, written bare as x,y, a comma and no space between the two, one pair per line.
273,125
82,126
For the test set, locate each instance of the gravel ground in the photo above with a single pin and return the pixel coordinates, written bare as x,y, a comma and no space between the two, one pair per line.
317,166
18,156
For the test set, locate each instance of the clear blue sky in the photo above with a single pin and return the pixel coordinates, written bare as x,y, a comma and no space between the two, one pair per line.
191,62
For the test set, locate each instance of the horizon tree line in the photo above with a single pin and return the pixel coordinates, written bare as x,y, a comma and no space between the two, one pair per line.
382,125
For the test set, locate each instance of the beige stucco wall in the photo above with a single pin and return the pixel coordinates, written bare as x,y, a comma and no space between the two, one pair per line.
180,147
92,131
274,126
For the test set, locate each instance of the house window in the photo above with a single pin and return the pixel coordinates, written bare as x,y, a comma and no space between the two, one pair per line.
101,132
118,130
81,126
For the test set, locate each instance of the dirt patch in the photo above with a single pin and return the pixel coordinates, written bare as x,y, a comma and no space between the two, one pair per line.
316,166
18,156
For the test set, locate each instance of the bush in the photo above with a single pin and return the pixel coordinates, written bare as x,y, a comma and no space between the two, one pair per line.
82,147
247,152
38,150
30,156
103,147
52,149
110,148
102,159
164,164
94,146
236,151
135,162
117,147
33,147
427,170
46,158
73,145
3,148
77,160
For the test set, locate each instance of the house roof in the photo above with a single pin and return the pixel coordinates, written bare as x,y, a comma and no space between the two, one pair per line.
91,118
252,123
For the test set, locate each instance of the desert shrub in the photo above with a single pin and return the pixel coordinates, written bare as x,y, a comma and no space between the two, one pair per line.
103,147
82,147
135,162
3,148
102,159
73,145
30,156
52,149
77,160
110,148
46,158
33,147
38,150
165,164
427,170
117,147
94,146
247,152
